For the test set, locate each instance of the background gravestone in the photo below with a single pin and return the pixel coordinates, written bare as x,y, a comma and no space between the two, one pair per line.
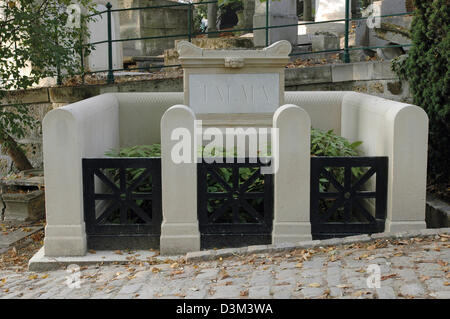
393,30
281,12
149,23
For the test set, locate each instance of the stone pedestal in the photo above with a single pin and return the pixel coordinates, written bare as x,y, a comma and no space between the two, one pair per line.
24,206
280,13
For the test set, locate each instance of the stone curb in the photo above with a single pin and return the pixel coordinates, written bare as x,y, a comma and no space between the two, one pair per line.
40,263
207,255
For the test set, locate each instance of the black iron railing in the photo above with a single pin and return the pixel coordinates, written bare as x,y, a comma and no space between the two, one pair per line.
348,195
190,33
235,203
122,202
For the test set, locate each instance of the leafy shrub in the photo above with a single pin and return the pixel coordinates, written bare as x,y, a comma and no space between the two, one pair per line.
323,143
327,143
153,150
426,68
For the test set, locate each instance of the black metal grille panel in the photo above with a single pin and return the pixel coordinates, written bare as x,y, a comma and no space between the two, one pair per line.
348,195
122,202
235,203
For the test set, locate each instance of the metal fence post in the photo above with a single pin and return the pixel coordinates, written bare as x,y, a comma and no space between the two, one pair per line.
82,59
58,66
347,24
110,78
190,22
267,23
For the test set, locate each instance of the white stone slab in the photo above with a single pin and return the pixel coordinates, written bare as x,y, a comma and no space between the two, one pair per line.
234,93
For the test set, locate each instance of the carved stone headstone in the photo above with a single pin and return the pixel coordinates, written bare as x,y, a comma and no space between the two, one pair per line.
234,81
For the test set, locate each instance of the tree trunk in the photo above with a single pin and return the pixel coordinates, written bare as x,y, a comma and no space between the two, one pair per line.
10,147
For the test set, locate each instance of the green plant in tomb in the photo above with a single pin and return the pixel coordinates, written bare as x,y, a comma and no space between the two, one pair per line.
323,143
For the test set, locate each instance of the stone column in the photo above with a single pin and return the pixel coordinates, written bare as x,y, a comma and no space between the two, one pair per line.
291,156
407,172
179,229
84,129
212,19
281,12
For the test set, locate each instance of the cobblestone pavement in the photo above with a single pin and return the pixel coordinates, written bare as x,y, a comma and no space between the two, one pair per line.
409,268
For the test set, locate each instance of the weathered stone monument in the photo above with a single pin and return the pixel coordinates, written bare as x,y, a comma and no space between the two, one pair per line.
153,22
280,13
390,31
228,89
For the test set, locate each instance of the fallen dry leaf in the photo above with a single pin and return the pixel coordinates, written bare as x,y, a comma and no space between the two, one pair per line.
155,270
343,286
223,274
423,278
314,285
388,276
358,293
244,293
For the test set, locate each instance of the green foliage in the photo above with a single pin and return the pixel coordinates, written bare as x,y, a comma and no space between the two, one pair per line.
427,70
153,150
327,143
34,34
237,4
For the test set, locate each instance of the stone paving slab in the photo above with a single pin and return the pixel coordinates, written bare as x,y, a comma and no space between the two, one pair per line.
13,237
408,267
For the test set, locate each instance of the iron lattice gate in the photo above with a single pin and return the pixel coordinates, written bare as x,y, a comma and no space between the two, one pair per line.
122,202
235,203
348,195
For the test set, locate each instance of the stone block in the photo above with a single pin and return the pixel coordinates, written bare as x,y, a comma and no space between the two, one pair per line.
321,42
24,206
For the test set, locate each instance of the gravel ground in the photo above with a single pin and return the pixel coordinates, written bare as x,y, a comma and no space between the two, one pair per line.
408,268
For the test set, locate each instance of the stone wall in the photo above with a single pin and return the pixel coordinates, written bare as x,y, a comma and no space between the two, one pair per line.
373,78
